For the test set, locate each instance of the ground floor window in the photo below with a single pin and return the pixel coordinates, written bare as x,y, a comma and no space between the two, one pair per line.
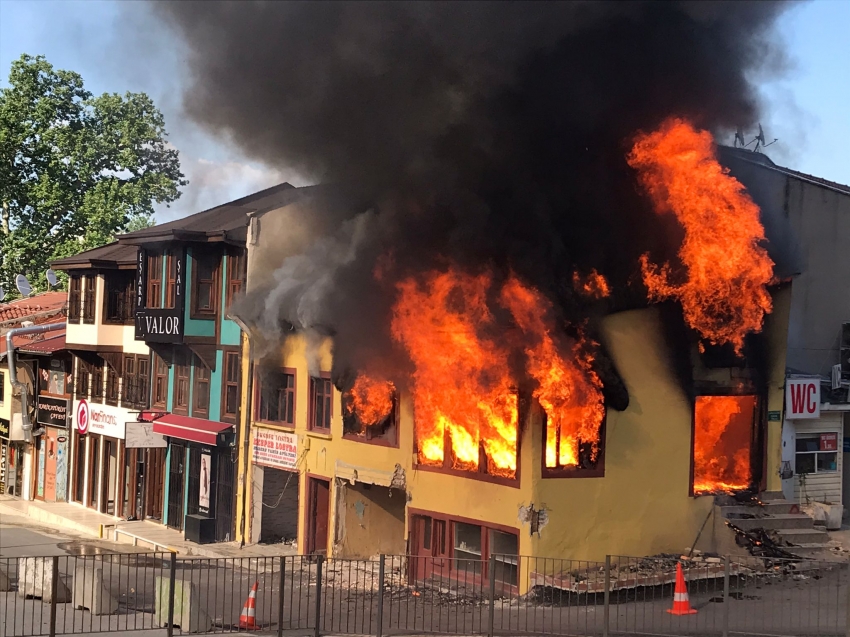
816,453
443,546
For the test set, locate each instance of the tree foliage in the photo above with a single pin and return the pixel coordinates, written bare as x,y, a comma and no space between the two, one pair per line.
75,169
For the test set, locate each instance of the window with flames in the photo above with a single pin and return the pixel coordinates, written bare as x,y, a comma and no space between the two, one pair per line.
370,411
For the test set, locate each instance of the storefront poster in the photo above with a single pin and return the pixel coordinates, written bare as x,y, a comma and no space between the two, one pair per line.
4,450
4,428
105,420
52,411
276,449
204,484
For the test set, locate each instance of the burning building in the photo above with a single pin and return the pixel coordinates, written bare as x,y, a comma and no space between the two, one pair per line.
531,312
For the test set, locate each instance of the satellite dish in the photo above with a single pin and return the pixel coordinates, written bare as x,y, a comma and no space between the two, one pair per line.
51,278
2,293
23,285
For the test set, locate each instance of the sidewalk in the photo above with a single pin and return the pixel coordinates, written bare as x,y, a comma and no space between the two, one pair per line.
142,533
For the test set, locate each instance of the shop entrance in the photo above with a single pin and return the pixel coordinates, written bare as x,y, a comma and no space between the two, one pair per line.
318,516
176,472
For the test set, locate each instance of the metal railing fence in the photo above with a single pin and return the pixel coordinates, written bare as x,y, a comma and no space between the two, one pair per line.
401,594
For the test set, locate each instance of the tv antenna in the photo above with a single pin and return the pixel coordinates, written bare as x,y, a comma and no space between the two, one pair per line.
739,137
23,285
51,278
760,141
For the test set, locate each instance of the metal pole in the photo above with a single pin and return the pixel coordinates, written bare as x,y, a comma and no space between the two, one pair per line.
319,563
847,627
491,567
381,569
726,596
280,597
54,593
606,596
172,585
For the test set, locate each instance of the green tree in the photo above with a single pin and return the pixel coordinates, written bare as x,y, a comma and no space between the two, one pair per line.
75,169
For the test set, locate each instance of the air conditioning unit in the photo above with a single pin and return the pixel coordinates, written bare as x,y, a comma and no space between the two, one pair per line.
844,352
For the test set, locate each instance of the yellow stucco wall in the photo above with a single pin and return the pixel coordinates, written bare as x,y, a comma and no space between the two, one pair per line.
641,506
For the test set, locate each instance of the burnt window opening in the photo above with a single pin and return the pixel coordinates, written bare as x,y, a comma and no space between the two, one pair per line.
120,299
572,456
385,429
474,454
724,430
276,402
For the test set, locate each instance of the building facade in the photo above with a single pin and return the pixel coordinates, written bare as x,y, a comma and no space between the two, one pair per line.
116,468
353,489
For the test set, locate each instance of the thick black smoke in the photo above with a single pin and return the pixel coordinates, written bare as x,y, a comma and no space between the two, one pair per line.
486,134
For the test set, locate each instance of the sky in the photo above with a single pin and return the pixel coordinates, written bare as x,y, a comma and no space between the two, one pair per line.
117,47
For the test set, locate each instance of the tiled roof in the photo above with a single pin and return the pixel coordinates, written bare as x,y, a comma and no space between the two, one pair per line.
111,255
229,220
39,304
44,343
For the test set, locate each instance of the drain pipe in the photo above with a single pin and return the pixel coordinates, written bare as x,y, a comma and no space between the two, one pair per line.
26,423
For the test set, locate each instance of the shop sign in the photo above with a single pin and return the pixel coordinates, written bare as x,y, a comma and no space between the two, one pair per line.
159,325
101,419
829,442
774,416
275,449
52,411
802,398
3,452
140,435
204,484
4,428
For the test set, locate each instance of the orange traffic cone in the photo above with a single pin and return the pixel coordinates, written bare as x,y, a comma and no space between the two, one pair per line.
681,603
248,618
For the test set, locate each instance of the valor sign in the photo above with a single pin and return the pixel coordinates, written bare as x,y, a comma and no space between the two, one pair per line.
157,324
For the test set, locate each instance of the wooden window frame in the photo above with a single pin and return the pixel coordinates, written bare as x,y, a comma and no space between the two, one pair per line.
75,298
325,377
293,391
158,374
113,383
201,411
170,283
227,416
235,284
576,472
153,285
450,522
215,285
180,357
98,383
90,299
2,386
125,298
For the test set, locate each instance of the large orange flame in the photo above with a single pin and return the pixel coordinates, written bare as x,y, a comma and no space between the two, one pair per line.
724,296
461,386
567,387
722,439
594,285
371,400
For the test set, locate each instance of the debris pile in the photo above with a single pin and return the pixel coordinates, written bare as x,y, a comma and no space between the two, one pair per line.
761,543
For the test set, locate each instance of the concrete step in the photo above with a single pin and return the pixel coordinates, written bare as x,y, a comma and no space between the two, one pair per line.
776,507
803,536
766,496
810,549
774,522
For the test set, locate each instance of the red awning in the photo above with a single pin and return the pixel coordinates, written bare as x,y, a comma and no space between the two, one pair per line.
192,429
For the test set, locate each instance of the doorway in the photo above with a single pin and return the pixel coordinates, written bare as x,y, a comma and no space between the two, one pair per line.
430,551
94,470
318,516
154,464
108,477
176,465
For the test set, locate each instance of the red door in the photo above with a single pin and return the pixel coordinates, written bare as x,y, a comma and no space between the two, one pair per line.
429,547
318,516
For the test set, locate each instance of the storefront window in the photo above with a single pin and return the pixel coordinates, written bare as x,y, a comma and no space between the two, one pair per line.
817,453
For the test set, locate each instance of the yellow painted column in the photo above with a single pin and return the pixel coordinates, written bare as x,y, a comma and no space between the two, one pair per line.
244,501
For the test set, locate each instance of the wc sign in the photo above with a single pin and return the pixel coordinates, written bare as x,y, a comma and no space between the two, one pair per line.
802,398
